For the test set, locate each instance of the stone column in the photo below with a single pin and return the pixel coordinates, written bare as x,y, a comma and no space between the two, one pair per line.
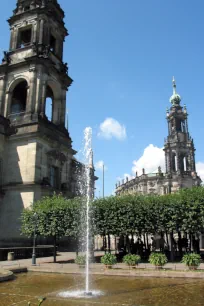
63,108
35,32
11,38
32,97
7,106
2,94
41,31
177,162
43,98
15,38
56,111
166,163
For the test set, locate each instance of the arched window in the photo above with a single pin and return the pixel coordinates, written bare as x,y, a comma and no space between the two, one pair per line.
49,104
174,163
184,164
19,98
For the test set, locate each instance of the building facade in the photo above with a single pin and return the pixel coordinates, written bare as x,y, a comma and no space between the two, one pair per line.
179,153
36,151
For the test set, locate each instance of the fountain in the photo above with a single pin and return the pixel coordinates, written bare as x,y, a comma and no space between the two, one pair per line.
88,156
87,190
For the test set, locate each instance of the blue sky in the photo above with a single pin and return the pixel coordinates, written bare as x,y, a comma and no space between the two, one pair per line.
122,56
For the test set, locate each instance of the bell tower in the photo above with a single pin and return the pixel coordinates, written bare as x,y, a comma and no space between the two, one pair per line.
32,71
34,81
179,146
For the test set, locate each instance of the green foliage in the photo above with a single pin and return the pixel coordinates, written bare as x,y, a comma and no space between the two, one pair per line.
139,214
117,215
191,259
158,259
41,300
131,259
108,259
56,217
80,260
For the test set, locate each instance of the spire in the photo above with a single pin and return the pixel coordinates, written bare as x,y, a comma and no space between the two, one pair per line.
91,164
174,86
175,98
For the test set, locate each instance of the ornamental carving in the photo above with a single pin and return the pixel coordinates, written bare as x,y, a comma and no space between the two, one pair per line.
57,156
151,184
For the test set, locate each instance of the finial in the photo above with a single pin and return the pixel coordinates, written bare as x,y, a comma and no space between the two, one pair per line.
174,85
91,165
175,98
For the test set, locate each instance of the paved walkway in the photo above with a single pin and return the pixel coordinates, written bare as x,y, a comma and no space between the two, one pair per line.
64,264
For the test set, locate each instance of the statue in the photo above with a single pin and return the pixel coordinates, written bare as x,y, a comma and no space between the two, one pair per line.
6,58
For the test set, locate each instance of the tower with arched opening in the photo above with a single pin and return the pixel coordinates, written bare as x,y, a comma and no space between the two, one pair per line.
34,80
179,147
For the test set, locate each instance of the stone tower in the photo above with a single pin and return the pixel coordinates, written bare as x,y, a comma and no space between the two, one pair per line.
34,80
179,147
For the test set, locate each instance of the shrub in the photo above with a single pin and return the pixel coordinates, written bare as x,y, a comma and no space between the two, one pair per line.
158,259
191,260
109,259
80,260
131,259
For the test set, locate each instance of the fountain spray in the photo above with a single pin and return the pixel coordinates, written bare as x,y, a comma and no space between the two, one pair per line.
88,163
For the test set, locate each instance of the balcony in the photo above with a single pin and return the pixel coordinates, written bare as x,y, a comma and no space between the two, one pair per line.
16,117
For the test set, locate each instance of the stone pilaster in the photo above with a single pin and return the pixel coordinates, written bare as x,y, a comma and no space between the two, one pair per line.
63,108
2,93
56,111
43,98
32,88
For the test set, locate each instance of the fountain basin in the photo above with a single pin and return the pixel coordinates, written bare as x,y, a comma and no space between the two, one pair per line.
67,290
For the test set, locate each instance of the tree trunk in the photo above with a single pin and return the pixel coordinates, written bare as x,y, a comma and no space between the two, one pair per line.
180,245
55,249
77,246
147,241
145,244
191,242
172,246
105,244
167,240
109,246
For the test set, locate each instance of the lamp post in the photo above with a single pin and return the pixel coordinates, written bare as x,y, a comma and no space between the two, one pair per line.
34,234
103,179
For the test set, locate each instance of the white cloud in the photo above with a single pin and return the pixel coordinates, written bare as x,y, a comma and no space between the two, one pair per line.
130,177
126,175
200,170
112,128
99,165
152,158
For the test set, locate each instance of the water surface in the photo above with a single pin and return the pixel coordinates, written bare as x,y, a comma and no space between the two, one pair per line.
118,291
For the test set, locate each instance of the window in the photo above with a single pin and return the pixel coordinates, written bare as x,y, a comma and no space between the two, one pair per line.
54,177
19,98
26,8
24,38
52,44
49,104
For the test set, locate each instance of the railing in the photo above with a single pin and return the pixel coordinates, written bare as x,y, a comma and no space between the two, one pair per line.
15,117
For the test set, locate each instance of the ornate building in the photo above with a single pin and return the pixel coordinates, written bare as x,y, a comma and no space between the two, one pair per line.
36,151
179,158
